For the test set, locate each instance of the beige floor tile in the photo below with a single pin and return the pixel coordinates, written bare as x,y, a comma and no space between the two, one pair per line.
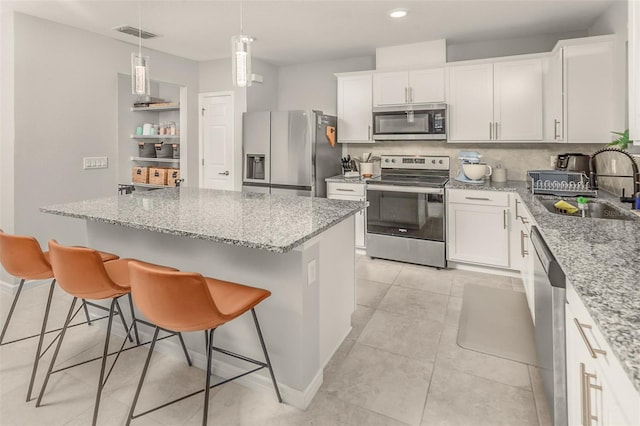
112,412
452,316
378,270
426,278
327,409
542,408
359,320
68,397
517,284
457,398
370,293
453,357
386,383
490,280
239,405
415,303
404,335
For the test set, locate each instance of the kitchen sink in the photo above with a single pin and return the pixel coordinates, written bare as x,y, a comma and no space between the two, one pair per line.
598,210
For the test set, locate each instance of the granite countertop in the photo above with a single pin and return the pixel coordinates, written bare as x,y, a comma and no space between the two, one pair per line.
601,259
342,179
276,223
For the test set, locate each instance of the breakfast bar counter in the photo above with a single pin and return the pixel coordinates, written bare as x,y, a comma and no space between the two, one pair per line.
299,248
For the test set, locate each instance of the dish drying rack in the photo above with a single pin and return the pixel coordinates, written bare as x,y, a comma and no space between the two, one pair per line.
560,183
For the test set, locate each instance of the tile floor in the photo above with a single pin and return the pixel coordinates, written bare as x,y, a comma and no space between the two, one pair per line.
400,365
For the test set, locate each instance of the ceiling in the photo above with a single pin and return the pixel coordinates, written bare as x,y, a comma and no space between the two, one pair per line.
301,31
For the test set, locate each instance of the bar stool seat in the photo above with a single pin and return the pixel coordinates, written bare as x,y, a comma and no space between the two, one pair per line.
22,257
186,301
80,272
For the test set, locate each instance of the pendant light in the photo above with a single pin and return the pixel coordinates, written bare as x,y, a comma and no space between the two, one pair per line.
140,84
241,57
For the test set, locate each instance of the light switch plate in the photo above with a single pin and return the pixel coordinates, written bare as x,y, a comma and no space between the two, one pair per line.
95,163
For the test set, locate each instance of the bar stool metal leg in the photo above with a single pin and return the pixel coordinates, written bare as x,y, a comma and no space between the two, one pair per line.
105,354
209,341
144,373
40,340
184,349
13,306
266,355
86,311
134,319
122,318
55,353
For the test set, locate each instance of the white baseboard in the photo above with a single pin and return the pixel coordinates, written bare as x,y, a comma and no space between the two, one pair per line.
483,269
294,397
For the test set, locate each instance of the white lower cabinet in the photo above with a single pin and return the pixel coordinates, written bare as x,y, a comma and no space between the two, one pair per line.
351,192
599,391
478,227
521,250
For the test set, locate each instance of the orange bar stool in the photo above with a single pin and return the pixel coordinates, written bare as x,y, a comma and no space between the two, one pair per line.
183,301
22,257
81,273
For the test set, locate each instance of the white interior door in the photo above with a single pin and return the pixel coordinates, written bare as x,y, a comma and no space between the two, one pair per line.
216,141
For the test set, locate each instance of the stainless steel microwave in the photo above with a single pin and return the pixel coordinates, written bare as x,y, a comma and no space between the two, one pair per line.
410,122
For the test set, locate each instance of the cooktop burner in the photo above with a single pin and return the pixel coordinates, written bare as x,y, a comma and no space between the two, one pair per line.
413,170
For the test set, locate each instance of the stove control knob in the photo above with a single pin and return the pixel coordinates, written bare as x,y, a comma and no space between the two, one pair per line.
393,160
440,161
433,161
386,160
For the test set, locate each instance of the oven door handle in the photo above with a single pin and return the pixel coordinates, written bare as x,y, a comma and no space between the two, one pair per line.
412,189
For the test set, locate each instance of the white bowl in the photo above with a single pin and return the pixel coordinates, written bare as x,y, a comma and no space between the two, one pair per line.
476,171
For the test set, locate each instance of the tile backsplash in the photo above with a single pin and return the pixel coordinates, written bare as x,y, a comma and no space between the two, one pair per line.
516,158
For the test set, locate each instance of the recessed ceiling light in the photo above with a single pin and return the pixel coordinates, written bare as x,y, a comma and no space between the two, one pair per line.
398,13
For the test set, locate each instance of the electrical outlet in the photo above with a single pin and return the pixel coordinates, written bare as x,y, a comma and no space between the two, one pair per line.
95,163
311,272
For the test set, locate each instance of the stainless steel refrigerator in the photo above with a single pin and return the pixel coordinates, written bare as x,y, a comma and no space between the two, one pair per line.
289,152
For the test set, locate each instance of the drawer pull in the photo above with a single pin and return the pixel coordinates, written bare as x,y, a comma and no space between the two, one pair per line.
478,198
523,252
592,351
344,190
585,395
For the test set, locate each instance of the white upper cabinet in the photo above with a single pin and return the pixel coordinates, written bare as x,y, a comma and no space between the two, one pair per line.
517,100
590,100
470,103
408,87
553,97
354,108
496,101
634,71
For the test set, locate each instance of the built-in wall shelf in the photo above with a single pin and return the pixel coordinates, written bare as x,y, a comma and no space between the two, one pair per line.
165,108
150,185
155,136
156,160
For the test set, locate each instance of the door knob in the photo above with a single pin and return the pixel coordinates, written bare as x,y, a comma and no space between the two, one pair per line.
225,173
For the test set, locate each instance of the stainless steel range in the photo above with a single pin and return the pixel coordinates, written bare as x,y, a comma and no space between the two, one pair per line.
406,213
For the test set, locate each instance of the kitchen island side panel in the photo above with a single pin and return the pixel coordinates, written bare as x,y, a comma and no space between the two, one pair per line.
303,322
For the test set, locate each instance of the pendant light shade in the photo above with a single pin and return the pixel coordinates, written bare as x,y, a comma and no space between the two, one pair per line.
241,60
140,83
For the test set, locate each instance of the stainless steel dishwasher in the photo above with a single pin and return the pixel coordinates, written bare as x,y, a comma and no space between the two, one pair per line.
550,299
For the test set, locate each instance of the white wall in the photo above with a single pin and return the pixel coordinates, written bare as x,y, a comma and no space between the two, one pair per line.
507,47
263,96
65,106
313,85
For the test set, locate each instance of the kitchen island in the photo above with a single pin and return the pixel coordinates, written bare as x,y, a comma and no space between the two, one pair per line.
299,248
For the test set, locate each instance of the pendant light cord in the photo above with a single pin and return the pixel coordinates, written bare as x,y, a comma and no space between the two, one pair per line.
140,28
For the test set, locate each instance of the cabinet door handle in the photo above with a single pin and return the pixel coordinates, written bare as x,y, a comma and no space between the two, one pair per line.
490,131
518,216
555,129
369,132
585,395
495,132
478,198
523,252
344,190
411,94
225,173
592,351
504,217
406,95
